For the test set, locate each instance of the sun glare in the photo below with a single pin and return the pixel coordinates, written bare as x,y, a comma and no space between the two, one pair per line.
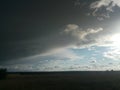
116,40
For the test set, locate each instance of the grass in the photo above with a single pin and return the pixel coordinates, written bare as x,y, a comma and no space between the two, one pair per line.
62,81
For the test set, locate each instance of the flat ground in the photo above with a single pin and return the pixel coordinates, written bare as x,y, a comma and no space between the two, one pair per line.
109,80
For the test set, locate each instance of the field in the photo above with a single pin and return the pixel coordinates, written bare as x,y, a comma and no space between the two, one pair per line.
109,80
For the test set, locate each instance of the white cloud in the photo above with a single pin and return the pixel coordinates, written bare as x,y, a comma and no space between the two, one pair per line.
82,36
112,54
100,3
89,37
102,8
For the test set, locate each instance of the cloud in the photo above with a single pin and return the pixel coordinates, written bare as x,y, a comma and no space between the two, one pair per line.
73,36
76,31
81,36
70,37
102,8
112,54
59,65
91,37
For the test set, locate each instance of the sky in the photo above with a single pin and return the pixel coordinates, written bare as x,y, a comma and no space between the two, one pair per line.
60,35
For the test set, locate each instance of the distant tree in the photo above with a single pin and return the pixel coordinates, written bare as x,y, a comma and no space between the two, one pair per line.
112,70
3,73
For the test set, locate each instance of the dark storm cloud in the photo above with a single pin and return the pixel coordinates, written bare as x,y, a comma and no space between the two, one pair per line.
28,27
25,20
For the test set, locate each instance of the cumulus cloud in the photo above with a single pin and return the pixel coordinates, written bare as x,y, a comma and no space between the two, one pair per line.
81,36
79,33
102,8
93,37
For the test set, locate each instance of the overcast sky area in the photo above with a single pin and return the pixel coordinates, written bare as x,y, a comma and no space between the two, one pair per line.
60,35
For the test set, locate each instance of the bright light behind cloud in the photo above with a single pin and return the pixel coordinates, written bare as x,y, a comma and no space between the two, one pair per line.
116,40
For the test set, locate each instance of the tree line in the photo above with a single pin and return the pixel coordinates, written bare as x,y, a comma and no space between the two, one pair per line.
3,73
